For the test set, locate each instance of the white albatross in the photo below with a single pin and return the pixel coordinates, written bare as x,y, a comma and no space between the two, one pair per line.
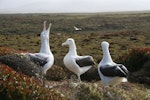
110,72
45,47
45,57
77,64
77,28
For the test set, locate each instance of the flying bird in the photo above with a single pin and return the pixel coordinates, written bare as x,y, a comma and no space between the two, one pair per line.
77,28
110,72
77,64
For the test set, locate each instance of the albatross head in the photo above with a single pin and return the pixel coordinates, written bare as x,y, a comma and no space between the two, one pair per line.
45,33
69,42
72,46
104,45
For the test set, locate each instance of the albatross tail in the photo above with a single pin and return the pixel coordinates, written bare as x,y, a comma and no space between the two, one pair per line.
124,80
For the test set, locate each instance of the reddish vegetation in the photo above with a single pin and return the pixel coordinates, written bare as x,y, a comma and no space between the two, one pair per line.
18,85
5,51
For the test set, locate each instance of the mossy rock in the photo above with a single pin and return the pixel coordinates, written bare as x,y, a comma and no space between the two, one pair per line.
21,64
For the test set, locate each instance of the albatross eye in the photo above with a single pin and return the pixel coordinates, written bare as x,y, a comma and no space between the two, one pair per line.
69,40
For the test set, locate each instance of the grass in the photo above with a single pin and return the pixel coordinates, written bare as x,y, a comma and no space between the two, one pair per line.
90,43
20,33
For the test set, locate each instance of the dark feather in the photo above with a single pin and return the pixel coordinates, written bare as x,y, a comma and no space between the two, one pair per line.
113,71
124,69
87,61
38,61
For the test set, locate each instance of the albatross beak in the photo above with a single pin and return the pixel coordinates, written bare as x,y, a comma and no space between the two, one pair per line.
64,44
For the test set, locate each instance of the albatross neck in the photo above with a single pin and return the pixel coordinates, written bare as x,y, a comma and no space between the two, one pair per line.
45,48
106,55
72,49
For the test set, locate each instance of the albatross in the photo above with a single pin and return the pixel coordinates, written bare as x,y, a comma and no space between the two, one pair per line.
77,64
110,72
45,48
77,29
45,57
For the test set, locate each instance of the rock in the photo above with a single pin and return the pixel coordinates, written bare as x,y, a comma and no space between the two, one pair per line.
21,64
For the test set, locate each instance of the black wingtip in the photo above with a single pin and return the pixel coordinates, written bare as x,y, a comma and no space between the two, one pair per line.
116,70
124,69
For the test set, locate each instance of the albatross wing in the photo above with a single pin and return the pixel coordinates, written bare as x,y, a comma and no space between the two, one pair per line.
83,61
38,60
112,71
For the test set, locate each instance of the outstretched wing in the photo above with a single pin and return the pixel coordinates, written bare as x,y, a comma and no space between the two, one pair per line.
112,71
83,61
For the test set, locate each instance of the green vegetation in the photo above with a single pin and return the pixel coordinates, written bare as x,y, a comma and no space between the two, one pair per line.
136,59
124,32
121,92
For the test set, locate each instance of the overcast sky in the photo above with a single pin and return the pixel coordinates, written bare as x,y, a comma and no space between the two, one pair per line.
60,6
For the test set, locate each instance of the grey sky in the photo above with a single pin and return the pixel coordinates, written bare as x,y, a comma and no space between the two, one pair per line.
56,6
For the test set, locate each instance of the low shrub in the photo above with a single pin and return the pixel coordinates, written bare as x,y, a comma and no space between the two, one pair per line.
137,61
87,92
147,66
16,86
56,73
96,92
135,58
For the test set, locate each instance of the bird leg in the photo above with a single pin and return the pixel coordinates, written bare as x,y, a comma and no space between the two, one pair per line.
79,80
73,79
42,79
